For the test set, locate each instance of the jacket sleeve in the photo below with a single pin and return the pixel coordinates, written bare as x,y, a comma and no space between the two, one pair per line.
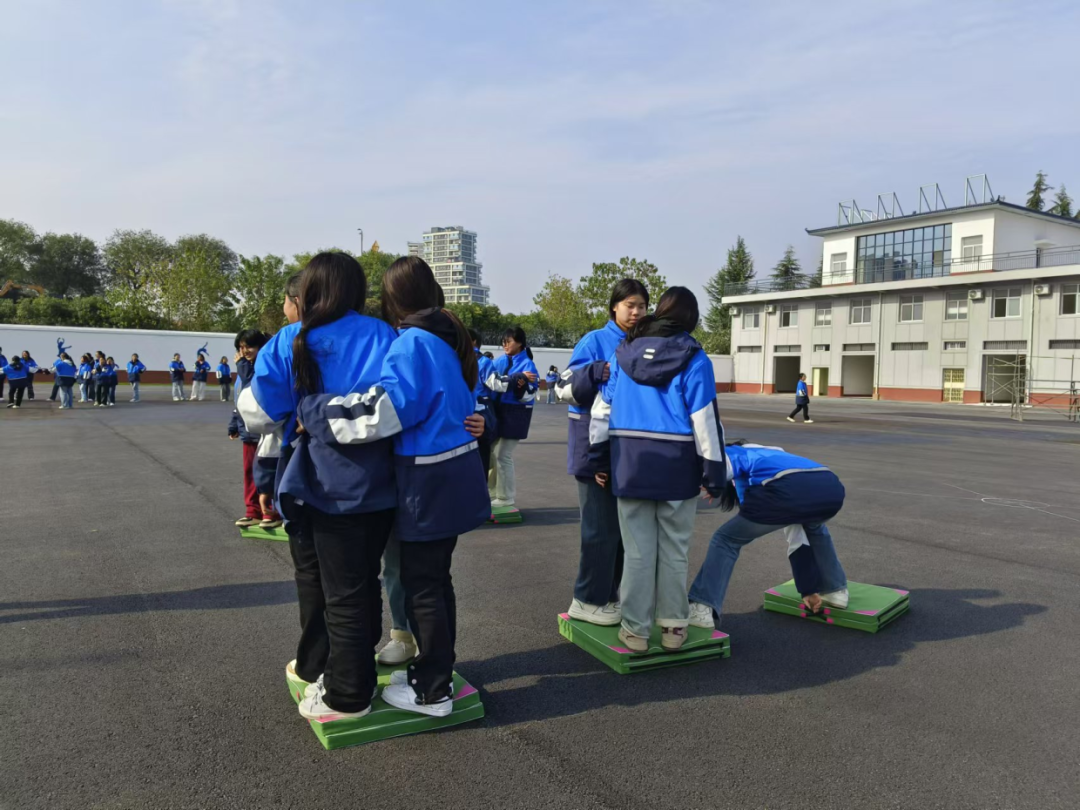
578,385
700,396
267,403
600,422
236,424
526,392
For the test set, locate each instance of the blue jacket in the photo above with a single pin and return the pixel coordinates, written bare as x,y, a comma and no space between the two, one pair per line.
486,367
421,400
135,370
223,371
202,370
104,372
30,364
86,371
578,385
802,395
62,368
3,360
659,410
176,369
551,378
14,374
244,372
513,401
781,489
336,479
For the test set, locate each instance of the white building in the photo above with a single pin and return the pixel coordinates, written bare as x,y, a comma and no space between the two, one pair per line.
963,304
451,252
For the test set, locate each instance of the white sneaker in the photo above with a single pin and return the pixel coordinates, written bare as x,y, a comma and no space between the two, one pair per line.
790,419
837,599
399,649
604,616
808,422
176,399
293,678
402,696
400,677
701,616
315,708
499,503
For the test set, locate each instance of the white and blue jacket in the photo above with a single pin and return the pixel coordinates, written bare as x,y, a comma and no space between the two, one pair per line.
802,395
201,371
513,402
14,374
337,479
777,488
176,370
62,368
421,400
135,370
577,387
86,372
658,411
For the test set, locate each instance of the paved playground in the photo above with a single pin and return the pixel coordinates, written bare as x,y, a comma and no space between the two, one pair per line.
144,642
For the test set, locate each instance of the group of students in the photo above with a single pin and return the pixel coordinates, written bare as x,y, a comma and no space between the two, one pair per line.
645,442
96,376
199,376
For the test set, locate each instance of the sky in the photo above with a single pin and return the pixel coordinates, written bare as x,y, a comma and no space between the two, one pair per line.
563,133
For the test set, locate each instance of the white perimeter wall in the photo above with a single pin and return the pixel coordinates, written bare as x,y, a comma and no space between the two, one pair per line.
723,368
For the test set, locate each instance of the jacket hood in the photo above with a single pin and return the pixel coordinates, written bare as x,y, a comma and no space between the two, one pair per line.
435,321
655,361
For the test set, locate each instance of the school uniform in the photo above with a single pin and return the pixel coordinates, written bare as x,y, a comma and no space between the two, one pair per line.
338,501
802,401
550,379
485,406
176,372
198,380
65,378
105,382
514,398
134,371
3,376
776,489
31,367
656,427
249,442
16,378
86,382
224,378
601,562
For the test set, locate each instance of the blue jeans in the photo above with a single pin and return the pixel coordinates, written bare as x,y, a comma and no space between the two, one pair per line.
65,396
395,591
600,568
135,391
711,583
551,395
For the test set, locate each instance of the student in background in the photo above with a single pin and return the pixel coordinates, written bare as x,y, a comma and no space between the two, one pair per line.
3,362
65,372
514,379
101,383
656,428
802,402
31,368
485,402
258,507
15,372
176,370
86,379
551,378
198,378
224,378
113,379
135,368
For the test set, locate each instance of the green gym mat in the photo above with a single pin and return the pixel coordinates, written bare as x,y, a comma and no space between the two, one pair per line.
505,514
870,607
255,533
384,721
603,643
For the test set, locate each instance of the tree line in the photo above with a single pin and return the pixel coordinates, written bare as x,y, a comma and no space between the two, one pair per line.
1062,205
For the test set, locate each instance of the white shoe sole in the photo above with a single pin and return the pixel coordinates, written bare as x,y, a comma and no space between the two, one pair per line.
328,717
594,618
394,660
390,696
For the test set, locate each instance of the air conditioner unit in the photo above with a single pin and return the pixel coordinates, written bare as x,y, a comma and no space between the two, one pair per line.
976,295
736,311
1042,289
770,309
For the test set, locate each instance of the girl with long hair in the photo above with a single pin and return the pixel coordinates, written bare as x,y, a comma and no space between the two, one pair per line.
514,380
658,419
422,399
596,590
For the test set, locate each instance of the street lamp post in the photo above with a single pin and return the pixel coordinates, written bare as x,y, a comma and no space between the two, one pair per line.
361,232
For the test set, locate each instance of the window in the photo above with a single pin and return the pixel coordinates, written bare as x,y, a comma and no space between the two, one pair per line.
838,264
860,310
789,349
956,306
823,315
789,315
858,347
914,253
910,308
1006,303
970,248
749,350
751,318
822,347
955,345
1065,344
1004,345
1070,299
910,347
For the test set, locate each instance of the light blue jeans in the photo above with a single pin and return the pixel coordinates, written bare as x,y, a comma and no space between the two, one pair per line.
135,392
178,390
711,583
83,391
65,396
395,591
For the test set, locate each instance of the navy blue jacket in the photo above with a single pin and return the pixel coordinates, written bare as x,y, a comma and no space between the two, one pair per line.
421,400
202,369
659,411
244,372
176,370
513,401
135,370
780,489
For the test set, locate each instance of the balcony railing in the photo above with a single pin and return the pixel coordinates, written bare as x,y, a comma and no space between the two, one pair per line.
877,271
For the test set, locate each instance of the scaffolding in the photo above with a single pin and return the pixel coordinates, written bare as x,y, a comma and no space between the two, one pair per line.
1008,380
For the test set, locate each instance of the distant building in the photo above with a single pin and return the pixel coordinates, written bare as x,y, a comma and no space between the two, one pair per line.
451,252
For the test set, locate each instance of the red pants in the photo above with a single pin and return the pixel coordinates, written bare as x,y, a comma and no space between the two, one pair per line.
251,495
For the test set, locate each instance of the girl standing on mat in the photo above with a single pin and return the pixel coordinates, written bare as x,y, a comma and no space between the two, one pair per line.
176,371
198,378
514,381
774,490
258,507
15,372
135,369
596,591
224,378
656,418
423,396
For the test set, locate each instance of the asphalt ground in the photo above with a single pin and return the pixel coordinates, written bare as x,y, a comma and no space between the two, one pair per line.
143,641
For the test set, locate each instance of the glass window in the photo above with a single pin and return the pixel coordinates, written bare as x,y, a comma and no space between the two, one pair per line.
913,253
1006,303
789,315
1070,299
821,347
838,263
823,315
860,310
751,318
956,306
911,308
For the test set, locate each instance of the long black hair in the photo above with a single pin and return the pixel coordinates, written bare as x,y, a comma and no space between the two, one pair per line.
677,305
333,284
517,334
729,498
622,290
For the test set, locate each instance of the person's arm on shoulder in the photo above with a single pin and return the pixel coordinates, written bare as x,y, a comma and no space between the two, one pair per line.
699,391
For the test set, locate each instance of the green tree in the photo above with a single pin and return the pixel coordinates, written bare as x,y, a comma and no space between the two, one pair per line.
258,293
563,310
68,264
595,288
19,247
195,290
1062,203
134,261
737,270
788,274
488,320
1035,199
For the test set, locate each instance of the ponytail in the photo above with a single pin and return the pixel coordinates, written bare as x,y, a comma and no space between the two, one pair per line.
331,286
470,370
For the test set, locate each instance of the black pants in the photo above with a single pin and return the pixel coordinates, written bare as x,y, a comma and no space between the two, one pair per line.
226,390
55,391
29,386
15,391
102,392
432,611
112,390
804,407
338,559
2,378
91,390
